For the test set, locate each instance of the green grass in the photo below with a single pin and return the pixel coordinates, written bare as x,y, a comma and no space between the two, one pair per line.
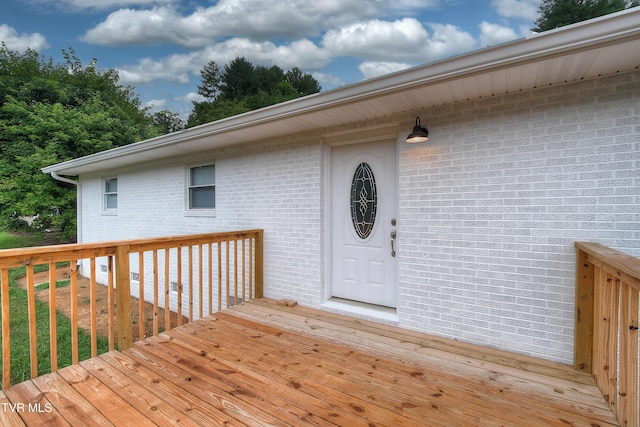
10,241
59,284
19,324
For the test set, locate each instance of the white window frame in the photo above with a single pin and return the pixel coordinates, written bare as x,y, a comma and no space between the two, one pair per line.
106,194
189,210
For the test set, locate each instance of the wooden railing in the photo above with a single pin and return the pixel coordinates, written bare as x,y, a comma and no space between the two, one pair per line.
218,270
606,335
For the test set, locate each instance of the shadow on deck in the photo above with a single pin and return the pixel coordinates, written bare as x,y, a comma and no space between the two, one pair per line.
260,364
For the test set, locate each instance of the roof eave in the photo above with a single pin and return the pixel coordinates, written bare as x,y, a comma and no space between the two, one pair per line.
605,30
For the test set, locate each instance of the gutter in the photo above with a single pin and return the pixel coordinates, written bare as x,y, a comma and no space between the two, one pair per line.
78,186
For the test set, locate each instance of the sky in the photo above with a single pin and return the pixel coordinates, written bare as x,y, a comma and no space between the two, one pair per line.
160,46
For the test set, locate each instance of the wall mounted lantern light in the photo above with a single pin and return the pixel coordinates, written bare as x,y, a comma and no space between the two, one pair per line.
419,133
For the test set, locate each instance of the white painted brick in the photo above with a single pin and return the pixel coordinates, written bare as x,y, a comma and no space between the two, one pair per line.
489,210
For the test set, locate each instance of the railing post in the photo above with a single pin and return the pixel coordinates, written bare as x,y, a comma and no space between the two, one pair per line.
123,297
583,338
259,263
6,328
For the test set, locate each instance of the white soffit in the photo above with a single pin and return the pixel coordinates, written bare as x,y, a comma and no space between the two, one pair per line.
599,47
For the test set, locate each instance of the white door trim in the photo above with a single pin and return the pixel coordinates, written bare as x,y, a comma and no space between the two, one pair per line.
387,133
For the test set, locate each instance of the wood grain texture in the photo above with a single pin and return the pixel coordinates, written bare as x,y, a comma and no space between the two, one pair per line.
261,363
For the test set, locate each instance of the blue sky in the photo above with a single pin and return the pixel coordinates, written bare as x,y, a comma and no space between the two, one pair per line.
160,46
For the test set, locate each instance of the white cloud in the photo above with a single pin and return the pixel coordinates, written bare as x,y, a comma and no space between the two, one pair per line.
370,69
301,53
179,67
526,9
491,34
228,18
447,40
328,81
401,40
21,42
174,68
192,96
140,27
101,4
156,104
376,38
252,19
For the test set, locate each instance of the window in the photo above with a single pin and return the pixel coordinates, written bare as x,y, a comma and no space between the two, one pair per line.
111,193
202,188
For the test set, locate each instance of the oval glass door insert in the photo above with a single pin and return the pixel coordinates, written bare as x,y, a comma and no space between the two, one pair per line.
364,200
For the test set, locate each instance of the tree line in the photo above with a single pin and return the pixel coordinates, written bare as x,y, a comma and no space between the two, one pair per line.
50,113
240,86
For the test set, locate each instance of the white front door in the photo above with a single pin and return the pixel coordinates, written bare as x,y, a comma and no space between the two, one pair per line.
364,204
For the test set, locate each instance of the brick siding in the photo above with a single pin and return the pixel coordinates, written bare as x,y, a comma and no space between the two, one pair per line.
489,209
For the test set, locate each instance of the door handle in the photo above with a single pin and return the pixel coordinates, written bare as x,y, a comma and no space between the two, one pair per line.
393,239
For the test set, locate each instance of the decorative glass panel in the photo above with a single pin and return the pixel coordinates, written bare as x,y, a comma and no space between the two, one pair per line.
364,200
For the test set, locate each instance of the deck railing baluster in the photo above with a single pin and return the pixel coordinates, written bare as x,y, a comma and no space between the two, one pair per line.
110,302
93,303
6,328
117,261
31,309
53,331
141,301
156,293
74,311
167,290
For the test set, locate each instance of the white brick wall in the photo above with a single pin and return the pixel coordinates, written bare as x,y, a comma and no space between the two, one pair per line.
271,185
489,209
491,206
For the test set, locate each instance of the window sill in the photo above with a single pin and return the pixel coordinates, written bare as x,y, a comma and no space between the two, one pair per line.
111,212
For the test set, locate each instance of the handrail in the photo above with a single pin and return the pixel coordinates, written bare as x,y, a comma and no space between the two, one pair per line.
606,334
217,270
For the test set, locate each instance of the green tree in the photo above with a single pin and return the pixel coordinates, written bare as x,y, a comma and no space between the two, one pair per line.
167,121
237,79
243,87
211,80
305,84
558,13
50,113
209,111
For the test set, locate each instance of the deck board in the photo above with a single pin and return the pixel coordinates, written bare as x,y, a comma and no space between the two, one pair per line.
260,364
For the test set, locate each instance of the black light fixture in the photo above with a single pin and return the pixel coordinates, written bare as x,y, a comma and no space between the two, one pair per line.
419,133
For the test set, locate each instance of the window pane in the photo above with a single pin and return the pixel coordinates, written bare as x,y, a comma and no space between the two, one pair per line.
202,198
111,201
111,185
203,175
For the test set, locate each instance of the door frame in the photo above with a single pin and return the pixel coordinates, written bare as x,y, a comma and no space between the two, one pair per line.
378,133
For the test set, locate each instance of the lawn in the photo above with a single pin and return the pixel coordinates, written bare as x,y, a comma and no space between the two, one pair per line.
10,240
19,323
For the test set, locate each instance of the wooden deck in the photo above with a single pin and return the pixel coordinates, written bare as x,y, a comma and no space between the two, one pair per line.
264,364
